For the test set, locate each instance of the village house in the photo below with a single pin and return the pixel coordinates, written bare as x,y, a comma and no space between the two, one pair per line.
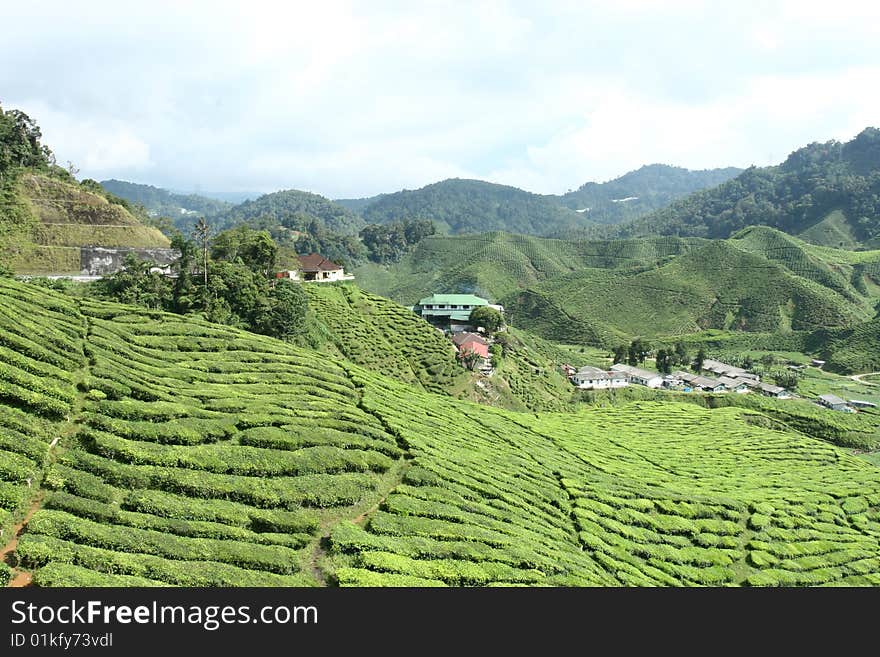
723,369
699,382
833,402
452,310
774,391
858,403
471,342
315,268
734,384
593,378
639,376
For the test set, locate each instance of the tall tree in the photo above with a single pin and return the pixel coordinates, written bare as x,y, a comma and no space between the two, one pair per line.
202,232
701,358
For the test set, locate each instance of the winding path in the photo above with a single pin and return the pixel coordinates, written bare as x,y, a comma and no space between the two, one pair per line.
858,378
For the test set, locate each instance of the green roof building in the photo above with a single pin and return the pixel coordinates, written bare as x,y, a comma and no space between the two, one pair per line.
453,310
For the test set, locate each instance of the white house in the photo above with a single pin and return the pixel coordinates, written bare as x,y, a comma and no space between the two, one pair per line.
315,268
639,376
592,378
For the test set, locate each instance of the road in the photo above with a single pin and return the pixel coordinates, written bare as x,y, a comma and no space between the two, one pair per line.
858,378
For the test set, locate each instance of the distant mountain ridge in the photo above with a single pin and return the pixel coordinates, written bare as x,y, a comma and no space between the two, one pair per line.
827,193
161,202
639,192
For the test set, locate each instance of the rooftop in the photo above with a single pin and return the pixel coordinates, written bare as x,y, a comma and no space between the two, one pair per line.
462,338
634,371
832,399
454,300
316,262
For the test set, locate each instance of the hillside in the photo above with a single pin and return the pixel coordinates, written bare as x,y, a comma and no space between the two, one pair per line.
601,292
385,337
715,286
294,210
161,202
44,219
827,193
194,454
855,349
496,264
640,192
474,206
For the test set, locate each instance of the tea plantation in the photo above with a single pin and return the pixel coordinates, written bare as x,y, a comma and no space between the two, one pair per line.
155,449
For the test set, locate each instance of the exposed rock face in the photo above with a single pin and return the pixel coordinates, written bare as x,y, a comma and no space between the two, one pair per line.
101,261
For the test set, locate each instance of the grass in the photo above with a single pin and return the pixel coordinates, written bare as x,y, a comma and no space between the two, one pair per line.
44,221
200,455
760,289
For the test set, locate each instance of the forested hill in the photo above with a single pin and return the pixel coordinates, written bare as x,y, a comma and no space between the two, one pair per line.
295,209
828,194
474,206
640,192
161,202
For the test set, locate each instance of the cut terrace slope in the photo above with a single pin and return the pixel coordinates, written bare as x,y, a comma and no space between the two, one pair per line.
44,221
195,454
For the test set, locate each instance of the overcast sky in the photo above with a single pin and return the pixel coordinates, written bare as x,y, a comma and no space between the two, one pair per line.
353,99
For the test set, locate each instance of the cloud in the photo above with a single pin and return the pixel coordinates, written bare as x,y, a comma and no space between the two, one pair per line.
356,98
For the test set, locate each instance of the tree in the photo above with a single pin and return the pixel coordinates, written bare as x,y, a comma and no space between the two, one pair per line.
487,317
786,379
202,232
284,314
496,351
620,354
681,353
254,248
638,351
700,359
664,361
469,359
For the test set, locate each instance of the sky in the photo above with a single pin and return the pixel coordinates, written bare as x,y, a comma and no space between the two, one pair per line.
351,99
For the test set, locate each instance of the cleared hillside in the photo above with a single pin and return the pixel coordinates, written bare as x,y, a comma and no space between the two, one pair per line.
194,454
46,219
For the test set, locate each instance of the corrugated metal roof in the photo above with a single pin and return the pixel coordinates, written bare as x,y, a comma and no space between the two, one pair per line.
454,300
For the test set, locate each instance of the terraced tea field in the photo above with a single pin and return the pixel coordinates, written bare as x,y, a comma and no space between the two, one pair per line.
155,449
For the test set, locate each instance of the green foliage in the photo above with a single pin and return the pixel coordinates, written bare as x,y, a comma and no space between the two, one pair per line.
813,183
221,458
5,574
387,243
639,192
295,210
474,206
161,202
487,317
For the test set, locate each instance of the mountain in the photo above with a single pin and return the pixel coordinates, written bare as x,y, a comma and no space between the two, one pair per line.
640,192
828,194
161,202
357,205
473,206
154,449
295,210
604,291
